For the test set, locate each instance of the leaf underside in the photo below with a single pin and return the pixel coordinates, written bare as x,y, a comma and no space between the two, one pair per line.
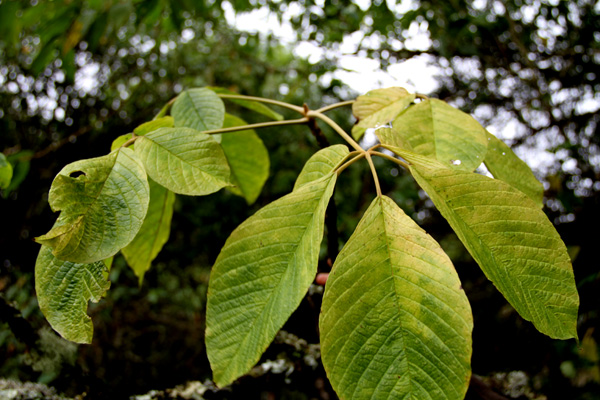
63,290
184,160
103,202
260,277
506,166
511,239
378,107
320,164
248,159
199,109
436,129
154,232
395,322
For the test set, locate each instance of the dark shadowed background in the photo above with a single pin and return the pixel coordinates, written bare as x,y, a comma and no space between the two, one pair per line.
74,75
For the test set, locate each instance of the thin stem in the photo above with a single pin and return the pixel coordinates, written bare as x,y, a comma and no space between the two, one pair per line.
394,159
258,125
130,141
372,166
358,156
336,127
262,100
336,105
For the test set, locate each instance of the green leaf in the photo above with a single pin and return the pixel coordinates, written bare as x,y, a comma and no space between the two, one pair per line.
395,322
6,172
511,239
120,141
260,108
248,159
63,290
436,129
378,107
260,277
20,163
184,160
102,202
154,232
199,109
506,166
150,126
321,163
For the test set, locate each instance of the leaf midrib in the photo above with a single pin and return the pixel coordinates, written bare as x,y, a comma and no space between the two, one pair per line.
193,167
266,304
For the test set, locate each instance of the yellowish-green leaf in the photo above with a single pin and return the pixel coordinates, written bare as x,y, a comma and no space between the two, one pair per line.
321,163
395,322
248,159
102,201
378,107
505,165
150,126
260,108
260,277
154,232
199,109
6,172
63,290
120,141
511,239
184,160
435,129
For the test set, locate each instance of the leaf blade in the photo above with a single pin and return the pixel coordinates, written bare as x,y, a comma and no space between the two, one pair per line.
260,108
150,126
378,107
434,128
511,239
63,290
154,232
199,109
248,159
101,210
395,322
6,172
184,160
504,164
321,163
260,277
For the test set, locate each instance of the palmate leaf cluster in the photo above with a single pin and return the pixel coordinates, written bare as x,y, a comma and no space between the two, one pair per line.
395,321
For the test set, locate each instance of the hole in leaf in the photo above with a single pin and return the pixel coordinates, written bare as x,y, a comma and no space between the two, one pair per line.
76,174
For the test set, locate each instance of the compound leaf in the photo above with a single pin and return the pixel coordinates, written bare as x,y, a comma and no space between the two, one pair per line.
154,232
63,290
321,163
434,128
395,322
248,159
378,107
184,160
199,109
103,202
511,239
260,277
505,165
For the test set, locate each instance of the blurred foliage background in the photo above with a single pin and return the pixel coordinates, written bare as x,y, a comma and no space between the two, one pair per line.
74,75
